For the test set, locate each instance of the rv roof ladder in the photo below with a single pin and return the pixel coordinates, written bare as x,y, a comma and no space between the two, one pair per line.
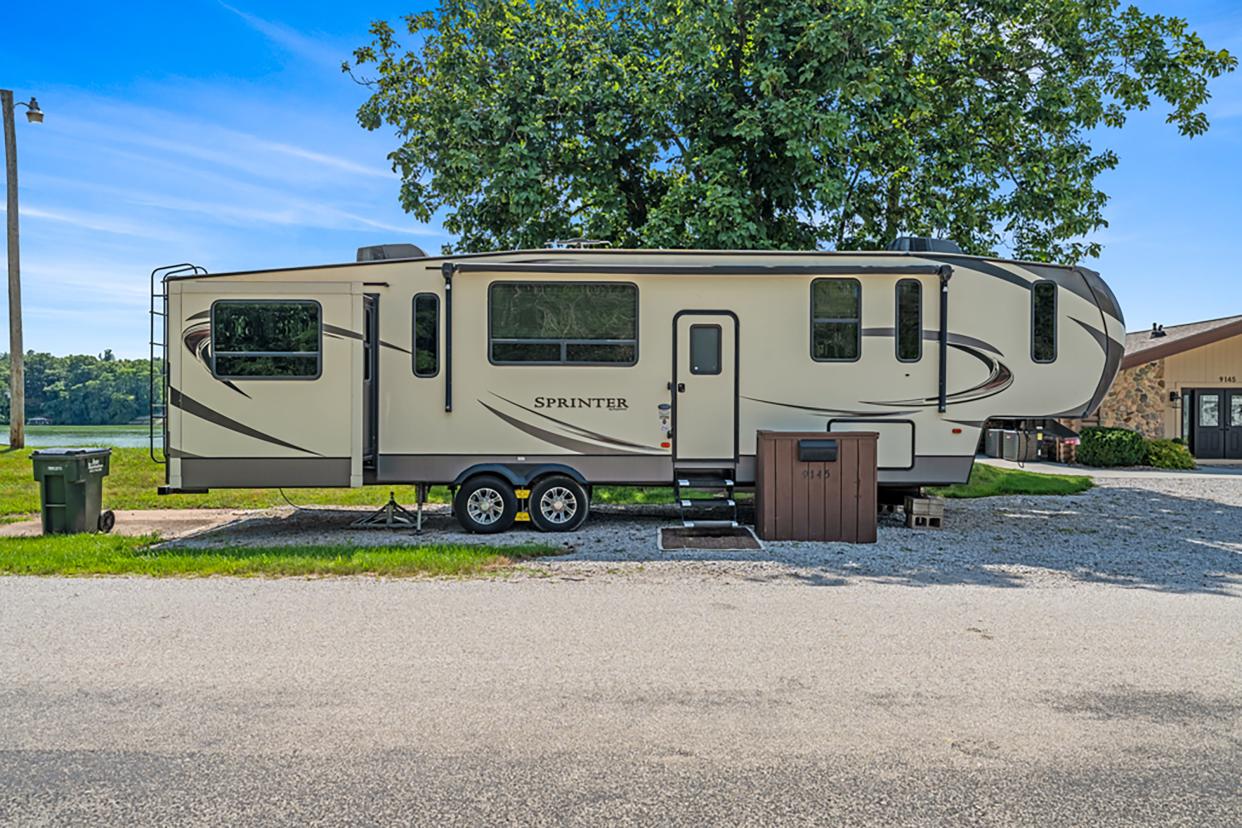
157,371
705,497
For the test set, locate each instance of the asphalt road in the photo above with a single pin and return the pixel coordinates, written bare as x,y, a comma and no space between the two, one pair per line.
616,700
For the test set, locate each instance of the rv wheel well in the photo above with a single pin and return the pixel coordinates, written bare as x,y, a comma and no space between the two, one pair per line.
520,474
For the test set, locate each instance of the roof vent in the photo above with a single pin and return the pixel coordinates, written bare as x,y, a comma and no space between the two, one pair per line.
1157,331
379,252
923,244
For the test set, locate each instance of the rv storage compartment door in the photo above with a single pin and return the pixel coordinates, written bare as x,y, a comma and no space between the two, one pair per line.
896,442
266,383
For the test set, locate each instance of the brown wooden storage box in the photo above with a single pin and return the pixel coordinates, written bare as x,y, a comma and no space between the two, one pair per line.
815,485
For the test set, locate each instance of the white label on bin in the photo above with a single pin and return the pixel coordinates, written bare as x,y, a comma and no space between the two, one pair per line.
94,465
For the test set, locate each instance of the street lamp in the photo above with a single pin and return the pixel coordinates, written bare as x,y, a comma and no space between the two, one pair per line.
17,371
33,113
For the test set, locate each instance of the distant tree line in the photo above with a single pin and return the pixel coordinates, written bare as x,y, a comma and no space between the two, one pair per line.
81,389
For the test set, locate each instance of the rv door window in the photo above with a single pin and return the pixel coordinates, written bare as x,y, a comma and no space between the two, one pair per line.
836,312
1044,321
705,349
265,339
909,328
426,335
563,324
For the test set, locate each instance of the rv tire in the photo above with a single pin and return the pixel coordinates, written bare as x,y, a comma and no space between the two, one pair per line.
485,504
557,504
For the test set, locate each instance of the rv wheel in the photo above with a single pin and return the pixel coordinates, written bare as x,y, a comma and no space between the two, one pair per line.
557,504
485,504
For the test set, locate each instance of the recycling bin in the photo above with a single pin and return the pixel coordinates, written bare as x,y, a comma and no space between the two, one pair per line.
71,489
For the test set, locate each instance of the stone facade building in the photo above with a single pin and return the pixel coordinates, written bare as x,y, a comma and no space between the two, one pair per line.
1184,381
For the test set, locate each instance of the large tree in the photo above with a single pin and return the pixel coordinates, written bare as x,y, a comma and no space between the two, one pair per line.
790,124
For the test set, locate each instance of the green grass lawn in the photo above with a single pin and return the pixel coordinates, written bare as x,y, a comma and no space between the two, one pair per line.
133,478
116,555
991,481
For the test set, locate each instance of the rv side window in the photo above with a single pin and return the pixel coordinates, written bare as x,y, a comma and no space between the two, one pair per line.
1044,321
836,313
563,324
909,320
426,335
265,339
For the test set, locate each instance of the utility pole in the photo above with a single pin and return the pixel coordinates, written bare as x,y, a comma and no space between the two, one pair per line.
17,368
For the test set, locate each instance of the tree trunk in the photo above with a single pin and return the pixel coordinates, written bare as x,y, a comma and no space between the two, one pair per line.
892,207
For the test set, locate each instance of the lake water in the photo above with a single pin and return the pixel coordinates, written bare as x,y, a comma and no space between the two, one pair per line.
82,436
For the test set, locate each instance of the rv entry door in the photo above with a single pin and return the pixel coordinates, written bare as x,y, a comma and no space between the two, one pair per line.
705,386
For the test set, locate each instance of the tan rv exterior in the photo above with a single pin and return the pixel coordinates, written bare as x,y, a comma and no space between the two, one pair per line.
633,423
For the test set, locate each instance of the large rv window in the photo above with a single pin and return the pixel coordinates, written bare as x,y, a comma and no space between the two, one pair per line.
836,312
426,335
553,324
909,320
1044,321
265,339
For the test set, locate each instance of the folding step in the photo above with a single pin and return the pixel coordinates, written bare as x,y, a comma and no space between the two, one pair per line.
713,504
707,502
703,482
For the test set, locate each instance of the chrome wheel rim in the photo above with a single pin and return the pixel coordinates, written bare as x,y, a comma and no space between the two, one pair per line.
485,506
558,505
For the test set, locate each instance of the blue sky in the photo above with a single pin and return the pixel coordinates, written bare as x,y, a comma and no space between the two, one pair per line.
224,134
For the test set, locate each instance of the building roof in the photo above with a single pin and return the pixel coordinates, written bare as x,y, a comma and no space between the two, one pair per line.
1142,347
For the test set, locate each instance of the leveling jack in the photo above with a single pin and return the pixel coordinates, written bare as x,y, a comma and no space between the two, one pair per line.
392,515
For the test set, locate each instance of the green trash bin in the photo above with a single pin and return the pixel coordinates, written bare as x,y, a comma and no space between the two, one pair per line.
71,489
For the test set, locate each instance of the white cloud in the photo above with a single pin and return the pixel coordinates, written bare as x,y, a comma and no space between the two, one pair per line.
91,283
89,221
328,160
147,130
316,50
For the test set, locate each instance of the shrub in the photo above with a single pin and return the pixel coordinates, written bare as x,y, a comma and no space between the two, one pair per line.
1111,447
1168,454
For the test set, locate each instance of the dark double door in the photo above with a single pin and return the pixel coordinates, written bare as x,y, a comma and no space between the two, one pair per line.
1217,423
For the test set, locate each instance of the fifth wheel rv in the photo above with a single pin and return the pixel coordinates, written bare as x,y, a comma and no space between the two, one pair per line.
524,378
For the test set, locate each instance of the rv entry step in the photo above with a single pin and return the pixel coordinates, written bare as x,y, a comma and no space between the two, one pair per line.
705,497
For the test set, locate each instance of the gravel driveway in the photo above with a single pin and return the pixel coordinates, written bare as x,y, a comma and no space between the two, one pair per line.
1176,533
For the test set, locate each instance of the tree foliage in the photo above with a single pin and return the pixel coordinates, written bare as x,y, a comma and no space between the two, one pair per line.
82,389
791,124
